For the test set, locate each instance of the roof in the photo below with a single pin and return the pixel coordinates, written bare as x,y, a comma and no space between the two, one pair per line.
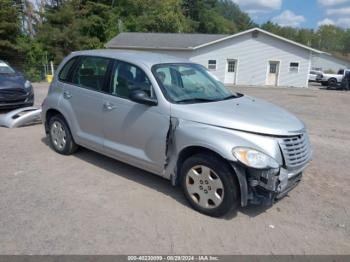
161,40
179,41
132,56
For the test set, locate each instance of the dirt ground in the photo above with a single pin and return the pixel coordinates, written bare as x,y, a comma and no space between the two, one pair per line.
91,204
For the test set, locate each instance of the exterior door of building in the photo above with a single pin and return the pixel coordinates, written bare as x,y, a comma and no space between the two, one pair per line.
272,73
230,73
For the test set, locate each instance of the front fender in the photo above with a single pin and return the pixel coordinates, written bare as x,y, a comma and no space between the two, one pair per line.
222,140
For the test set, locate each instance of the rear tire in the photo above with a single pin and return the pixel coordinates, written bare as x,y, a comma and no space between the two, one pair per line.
209,185
60,137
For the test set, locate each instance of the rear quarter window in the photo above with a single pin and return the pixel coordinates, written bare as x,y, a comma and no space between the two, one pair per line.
65,72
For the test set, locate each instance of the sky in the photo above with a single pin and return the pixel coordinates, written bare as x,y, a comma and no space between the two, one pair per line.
299,13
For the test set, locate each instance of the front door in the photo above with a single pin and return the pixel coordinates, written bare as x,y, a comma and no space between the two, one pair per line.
272,74
134,133
230,73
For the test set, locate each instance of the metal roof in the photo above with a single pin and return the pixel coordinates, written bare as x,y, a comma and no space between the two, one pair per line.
166,41
179,41
133,56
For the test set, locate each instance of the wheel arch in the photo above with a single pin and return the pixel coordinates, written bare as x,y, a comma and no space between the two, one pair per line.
332,79
49,114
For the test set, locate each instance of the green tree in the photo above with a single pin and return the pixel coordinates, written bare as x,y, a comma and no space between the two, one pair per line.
74,25
331,38
234,14
33,53
346,42
10,29
59,32
151,15
215,16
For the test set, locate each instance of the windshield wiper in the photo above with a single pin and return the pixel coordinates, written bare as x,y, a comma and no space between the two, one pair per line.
230,97
195,100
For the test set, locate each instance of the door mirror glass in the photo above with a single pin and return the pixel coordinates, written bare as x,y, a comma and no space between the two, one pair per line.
142,97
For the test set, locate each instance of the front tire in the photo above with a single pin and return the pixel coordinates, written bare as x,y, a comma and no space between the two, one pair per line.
209,185
332,82
60,137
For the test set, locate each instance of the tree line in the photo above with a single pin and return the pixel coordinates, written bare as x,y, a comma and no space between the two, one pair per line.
32,35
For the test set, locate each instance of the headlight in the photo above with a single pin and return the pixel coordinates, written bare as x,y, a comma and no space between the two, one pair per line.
27,84
253,158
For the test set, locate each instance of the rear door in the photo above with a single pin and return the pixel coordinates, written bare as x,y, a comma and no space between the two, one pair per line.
134,133
82,99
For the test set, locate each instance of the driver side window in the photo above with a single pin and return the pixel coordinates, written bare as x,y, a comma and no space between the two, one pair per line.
126,78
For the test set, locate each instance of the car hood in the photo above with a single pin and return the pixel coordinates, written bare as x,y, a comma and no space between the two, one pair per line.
11,81
244,113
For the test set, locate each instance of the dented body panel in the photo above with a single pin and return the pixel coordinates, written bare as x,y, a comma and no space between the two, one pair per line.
217,139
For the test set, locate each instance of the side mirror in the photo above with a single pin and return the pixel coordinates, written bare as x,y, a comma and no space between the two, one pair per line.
141,97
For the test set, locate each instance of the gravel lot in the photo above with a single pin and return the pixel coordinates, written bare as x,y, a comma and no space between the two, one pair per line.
91,204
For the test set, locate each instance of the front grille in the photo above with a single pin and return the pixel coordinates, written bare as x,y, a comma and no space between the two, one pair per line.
296,150
12,94
3,102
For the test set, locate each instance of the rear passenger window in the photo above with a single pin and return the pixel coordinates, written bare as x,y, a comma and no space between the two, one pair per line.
91,72
64,74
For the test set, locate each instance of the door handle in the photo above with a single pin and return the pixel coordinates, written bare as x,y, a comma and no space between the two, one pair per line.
109,106
67,95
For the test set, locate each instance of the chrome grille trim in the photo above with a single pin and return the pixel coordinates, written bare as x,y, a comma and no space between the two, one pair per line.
296,150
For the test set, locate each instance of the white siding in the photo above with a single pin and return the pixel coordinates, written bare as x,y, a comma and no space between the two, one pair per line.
253,55
327,62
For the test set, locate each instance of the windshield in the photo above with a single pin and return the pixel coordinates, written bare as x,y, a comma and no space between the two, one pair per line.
190,83
6,69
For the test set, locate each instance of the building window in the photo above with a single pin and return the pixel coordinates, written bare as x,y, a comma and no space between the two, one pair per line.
294,67
273,68
212,65
231,66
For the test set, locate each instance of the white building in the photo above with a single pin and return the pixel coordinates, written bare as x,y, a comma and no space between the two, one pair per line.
327,62
252,57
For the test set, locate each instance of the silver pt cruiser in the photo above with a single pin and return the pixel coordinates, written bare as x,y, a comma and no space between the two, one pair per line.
171,117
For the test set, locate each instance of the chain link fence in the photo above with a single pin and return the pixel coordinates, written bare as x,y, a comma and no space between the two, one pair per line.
33,72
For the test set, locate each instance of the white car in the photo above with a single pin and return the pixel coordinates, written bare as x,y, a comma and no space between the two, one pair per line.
314,75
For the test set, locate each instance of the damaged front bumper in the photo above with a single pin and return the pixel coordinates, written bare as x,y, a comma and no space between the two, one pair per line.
25,100
264,187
